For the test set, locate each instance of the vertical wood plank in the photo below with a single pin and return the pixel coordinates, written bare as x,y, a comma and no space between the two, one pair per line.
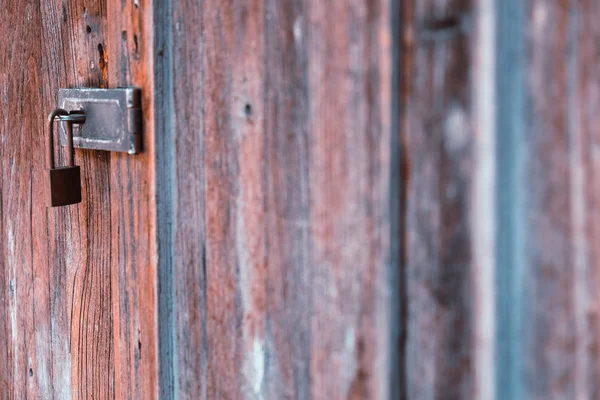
57,264
281,235
586,120
559,350
180,186
348,194
549,233
448,129
287,203
18,193
235,198
439,141
84,34
482,222
165,188
56,248
132,187
550,350
510,197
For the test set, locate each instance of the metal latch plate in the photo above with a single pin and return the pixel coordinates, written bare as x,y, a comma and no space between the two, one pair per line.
113,118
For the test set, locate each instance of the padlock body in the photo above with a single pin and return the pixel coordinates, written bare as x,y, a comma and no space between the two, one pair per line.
64,186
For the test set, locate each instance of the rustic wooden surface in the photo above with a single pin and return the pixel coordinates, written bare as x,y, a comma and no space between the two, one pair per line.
79,286
276,287
540,338
556,284
548,102
132,185
377,199
447,130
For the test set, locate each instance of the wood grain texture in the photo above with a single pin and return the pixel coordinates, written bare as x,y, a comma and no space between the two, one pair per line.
548,98
439,140
585,107
27,323
281,232
279,189
63,268
132,188
560,346
550,246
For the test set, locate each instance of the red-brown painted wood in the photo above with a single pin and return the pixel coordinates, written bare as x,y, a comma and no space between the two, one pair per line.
79,282
259,233
280,224
132,183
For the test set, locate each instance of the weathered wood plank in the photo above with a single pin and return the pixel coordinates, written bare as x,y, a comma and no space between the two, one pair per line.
166,186
548,98
45,242
133,264
287,204
438,135
448,131
81,44
551,340
60,267
559,349
510,197
348,163
236,276
21,86
585,106
281,232
180,169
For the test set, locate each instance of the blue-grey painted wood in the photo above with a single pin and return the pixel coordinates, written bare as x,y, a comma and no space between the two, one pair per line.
397,262
547,269
511,190
166,189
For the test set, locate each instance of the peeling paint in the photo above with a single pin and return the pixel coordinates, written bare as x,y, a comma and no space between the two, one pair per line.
254,367
11,246
298,31
350,340
540,16
457,129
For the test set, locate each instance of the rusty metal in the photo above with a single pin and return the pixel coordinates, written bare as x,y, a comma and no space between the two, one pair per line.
113,118
64,183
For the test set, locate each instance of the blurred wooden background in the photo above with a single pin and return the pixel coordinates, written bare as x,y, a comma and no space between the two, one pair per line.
500,130
338,199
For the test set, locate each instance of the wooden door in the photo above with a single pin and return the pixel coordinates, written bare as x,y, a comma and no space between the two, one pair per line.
245,253
77,312
337,199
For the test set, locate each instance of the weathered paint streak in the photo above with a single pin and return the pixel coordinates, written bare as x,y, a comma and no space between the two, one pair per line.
483,206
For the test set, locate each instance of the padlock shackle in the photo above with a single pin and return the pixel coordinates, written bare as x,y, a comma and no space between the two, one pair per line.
50,147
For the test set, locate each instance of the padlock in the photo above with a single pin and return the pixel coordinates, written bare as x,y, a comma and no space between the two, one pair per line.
64,183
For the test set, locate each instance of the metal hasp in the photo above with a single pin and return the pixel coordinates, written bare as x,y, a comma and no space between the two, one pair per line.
113,118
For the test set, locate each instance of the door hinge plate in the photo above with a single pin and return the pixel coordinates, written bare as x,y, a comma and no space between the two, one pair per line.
113,118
